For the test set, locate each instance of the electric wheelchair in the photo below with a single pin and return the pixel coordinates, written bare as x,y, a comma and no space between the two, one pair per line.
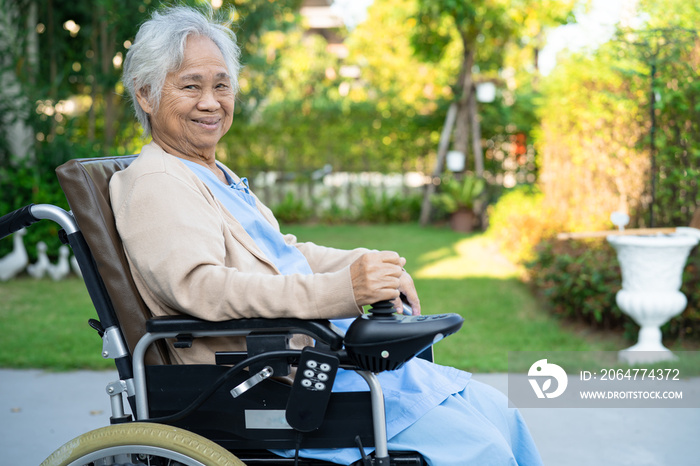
234,412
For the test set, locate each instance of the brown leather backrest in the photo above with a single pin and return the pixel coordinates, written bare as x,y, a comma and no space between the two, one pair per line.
85,183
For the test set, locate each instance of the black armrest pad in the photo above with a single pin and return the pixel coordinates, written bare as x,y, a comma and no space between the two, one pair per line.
318,329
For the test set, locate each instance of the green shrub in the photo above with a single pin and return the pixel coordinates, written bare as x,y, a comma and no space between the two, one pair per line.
374,207
335,214
579,279
22,184
32,180
519,220
383,208
292,210
687,325
459,194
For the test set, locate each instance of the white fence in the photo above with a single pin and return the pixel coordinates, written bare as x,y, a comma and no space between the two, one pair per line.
341,189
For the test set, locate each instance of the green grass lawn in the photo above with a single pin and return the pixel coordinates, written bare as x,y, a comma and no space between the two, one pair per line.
43,324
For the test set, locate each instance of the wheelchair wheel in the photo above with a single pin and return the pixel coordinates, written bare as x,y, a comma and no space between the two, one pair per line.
141,443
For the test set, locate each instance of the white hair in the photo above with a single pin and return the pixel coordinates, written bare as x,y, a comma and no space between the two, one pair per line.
159,48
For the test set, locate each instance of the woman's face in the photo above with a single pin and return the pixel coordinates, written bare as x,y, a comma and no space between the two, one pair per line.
196,105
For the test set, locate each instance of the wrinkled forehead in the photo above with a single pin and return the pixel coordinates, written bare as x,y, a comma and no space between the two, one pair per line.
202,58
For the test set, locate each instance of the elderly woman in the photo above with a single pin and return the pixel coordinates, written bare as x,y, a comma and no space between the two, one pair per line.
199,242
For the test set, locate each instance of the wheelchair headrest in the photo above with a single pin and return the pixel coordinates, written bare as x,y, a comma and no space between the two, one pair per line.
85,183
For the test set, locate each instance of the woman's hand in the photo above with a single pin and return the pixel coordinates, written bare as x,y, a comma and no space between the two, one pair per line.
376,277
408,289
379,276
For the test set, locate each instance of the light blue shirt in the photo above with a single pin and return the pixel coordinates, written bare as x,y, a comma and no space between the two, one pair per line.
240,203
410,392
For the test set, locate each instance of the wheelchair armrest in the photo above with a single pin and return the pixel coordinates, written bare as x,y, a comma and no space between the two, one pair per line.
321,330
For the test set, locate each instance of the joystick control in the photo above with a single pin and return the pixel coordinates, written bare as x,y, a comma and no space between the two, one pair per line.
382,310
382,340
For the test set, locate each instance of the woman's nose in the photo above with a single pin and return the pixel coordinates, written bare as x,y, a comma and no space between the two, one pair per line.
208,101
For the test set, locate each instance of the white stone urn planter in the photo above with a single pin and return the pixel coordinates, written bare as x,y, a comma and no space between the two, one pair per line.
652,271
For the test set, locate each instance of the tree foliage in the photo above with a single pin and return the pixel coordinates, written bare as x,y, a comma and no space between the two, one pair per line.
587,141
482,32
596,124
376,109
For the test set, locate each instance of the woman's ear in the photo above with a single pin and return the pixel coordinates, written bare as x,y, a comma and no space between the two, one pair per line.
143,100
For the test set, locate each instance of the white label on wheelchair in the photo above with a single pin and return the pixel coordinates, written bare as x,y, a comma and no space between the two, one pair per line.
266,419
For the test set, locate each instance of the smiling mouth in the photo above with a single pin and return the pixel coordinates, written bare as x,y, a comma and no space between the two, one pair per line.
207,122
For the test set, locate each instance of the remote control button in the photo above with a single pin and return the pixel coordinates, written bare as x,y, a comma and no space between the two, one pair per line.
311,392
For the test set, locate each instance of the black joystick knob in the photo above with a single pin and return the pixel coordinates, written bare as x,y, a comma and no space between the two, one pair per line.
382,310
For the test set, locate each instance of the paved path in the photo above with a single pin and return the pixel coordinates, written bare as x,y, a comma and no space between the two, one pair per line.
40,411
612,437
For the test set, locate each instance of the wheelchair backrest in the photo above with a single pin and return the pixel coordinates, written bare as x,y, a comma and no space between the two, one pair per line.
85,183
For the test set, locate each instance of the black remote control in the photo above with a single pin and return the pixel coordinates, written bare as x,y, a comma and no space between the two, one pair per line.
311,390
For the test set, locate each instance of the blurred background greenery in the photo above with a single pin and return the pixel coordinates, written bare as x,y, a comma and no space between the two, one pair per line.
340,116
